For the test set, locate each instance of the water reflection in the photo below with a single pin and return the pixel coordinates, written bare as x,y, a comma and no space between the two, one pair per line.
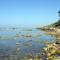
22,46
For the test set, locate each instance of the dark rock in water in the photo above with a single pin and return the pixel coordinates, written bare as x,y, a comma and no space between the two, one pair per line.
57,42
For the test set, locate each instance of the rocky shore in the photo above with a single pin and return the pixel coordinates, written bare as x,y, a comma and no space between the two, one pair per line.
52,49
52,31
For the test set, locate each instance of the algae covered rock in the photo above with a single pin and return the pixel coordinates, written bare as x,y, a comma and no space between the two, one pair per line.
50,50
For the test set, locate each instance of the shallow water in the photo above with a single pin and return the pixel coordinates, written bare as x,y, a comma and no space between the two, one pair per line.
21,43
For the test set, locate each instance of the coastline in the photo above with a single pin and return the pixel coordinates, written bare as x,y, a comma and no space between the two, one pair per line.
52,31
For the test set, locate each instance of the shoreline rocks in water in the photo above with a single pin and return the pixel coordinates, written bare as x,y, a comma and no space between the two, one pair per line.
55,47
52,31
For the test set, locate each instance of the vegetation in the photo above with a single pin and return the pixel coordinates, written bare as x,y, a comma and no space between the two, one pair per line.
56,24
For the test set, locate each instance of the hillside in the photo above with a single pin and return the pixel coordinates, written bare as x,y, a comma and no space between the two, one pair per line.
56,24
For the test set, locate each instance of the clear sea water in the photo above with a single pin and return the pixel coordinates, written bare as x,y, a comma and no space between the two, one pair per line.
11,44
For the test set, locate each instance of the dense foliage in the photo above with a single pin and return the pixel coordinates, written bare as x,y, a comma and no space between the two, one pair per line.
57,24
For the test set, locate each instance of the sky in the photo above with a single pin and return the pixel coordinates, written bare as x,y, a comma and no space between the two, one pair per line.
28,13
